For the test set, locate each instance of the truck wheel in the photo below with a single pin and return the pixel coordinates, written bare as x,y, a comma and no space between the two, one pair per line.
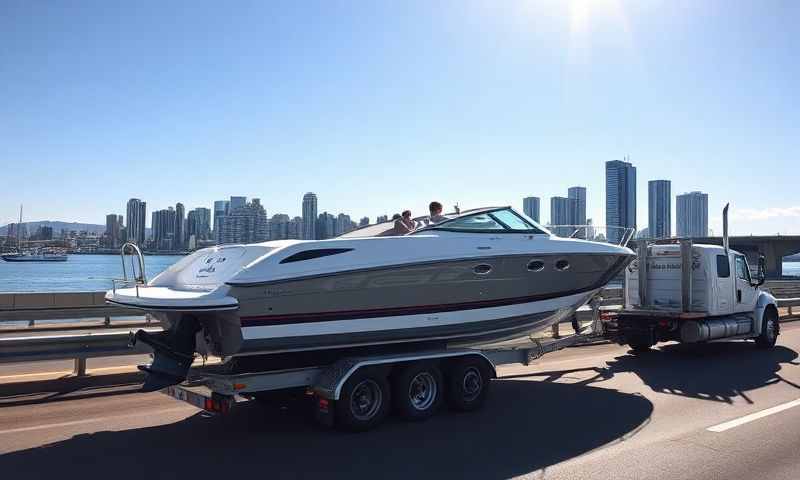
364,401
769,330
467,384
417,390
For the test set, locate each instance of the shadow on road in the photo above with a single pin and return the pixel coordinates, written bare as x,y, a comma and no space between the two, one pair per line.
715,371
524,427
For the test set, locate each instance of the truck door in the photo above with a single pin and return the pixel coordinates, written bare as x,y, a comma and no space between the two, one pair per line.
745,291
724,286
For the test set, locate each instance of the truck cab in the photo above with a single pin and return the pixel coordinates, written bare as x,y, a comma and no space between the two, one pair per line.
695,293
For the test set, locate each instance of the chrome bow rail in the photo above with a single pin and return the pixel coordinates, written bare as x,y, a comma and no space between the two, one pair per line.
136,281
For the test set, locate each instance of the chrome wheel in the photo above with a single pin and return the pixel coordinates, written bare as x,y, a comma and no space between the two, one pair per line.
366,400
472,384
423,391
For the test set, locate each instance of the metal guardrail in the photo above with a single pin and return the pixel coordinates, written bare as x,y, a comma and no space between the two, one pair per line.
61,342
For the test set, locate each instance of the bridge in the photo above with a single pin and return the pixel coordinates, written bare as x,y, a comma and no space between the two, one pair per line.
773,247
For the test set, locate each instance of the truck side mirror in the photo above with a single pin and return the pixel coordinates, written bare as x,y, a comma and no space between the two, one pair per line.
762,271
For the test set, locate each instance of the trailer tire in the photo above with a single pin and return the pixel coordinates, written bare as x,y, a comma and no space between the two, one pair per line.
363,402
417,390
468,382
770,329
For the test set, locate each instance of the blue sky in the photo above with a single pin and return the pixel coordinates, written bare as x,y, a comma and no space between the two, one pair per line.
381,106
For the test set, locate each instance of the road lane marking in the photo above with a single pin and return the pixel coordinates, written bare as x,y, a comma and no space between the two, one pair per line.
91,420
753,416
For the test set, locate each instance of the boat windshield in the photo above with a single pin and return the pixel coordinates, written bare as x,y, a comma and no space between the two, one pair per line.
498,220
483,220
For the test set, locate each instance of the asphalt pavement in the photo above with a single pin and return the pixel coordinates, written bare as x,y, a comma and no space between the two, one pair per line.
723,411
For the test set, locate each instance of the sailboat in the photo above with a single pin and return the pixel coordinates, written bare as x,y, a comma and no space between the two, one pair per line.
39,255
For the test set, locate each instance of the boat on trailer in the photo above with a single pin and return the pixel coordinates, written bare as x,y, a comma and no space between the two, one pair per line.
478,277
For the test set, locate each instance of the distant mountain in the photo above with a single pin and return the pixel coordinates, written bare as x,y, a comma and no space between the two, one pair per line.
58,226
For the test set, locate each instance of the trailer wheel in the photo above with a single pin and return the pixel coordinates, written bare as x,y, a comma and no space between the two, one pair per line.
467,384
364,401
417,390
769,329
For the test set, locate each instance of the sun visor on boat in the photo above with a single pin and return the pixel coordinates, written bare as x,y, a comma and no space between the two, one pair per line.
167,299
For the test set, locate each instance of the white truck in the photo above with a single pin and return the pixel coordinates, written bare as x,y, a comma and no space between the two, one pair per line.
693,293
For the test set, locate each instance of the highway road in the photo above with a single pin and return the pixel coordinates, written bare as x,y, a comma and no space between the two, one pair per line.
726,411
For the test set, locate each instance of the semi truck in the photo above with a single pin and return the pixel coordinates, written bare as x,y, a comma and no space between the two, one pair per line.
677,290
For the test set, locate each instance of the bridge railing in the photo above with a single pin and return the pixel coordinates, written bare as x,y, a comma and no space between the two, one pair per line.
68,325
32,325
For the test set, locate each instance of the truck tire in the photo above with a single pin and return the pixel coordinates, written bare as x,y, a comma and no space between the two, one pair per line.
364,401
467,384
770,329
417,390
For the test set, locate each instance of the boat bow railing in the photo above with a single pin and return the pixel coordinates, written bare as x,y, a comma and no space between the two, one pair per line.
135,280
613,234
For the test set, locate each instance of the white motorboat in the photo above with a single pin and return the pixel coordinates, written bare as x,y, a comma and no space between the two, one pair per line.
481,276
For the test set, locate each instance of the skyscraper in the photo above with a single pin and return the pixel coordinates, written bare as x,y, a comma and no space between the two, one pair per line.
659,209
364,222
136,216
310,216
180,232
113,230
692,214
326,226
163,226
238,202
245,224
221,208
530,205
562,212
579,207
198,224
620,198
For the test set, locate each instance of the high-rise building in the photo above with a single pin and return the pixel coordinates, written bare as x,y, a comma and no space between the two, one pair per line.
363,222
113,230
310,217
659,209
279,227
530,205
620,198
562,212
294,228
326,226
382,218
245,224
198,224
136,217
221,208
692,214
579,207
180,231
238,202
163,229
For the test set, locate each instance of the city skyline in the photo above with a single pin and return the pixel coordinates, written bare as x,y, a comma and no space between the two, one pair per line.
444,99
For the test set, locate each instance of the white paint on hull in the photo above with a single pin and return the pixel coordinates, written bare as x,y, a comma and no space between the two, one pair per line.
413,321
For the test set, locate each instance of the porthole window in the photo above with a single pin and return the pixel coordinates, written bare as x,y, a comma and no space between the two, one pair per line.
536,265
562,265
482,269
